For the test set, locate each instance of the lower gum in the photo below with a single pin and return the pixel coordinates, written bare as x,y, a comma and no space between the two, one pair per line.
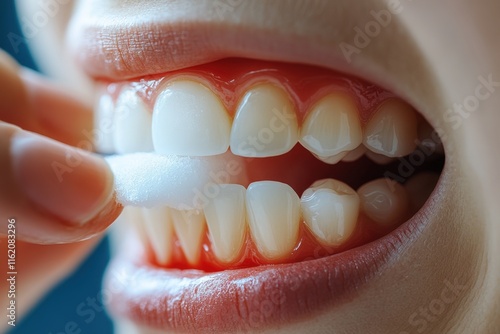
307,248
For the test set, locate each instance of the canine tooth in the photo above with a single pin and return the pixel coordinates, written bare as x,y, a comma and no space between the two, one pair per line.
132,124
159,229
189,119
392,131
273,211
378,158
384,201
104,125
265,123
189,227
332,127
355,154
330,209
225,215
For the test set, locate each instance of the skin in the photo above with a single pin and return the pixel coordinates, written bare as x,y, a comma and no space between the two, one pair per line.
431,55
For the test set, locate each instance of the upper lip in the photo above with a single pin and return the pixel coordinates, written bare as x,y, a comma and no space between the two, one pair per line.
173,38
125,49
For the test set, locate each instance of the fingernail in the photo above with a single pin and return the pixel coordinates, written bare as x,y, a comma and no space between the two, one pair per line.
67,182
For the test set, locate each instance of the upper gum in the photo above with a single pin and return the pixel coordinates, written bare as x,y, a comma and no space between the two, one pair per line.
230,95
304,93
319,84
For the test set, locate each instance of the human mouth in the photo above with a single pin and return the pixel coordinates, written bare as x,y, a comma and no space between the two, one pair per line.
293,130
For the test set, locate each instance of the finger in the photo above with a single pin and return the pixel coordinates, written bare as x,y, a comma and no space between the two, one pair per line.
35,104
55,193
38,268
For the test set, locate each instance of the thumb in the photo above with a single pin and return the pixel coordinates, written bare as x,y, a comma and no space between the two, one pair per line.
55,193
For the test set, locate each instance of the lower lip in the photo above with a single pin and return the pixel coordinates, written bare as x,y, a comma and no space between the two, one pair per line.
255,298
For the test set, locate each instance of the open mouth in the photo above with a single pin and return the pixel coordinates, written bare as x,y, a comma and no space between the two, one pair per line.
268,191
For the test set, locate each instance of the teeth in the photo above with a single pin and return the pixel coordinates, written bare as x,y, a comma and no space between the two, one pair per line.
332,128
392,131
265,123
225,215
159,229
104,124
132,124
189,119
378,158
134,217
273,210
330,209
189,227
332,159
384,201
355,154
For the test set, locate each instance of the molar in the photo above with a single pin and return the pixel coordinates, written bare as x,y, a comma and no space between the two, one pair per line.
132,118
189,119
273,210
332,128
392,130
330,209
265,123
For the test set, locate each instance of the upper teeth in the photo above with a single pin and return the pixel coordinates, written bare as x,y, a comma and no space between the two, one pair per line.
332,127
132,124
265,123
392,131
189,118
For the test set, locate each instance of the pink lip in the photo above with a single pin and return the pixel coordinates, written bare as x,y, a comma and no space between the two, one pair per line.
243,299
119,46
253,298
96,48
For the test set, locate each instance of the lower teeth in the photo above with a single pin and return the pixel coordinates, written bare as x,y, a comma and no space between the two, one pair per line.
197,220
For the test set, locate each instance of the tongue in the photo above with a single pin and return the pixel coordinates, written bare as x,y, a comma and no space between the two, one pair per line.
179,182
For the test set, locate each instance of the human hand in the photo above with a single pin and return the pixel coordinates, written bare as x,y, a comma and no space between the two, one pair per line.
56,194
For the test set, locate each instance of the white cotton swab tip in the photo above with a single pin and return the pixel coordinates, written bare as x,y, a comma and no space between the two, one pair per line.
179,182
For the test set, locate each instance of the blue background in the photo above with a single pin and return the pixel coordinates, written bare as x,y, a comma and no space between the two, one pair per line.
59,306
